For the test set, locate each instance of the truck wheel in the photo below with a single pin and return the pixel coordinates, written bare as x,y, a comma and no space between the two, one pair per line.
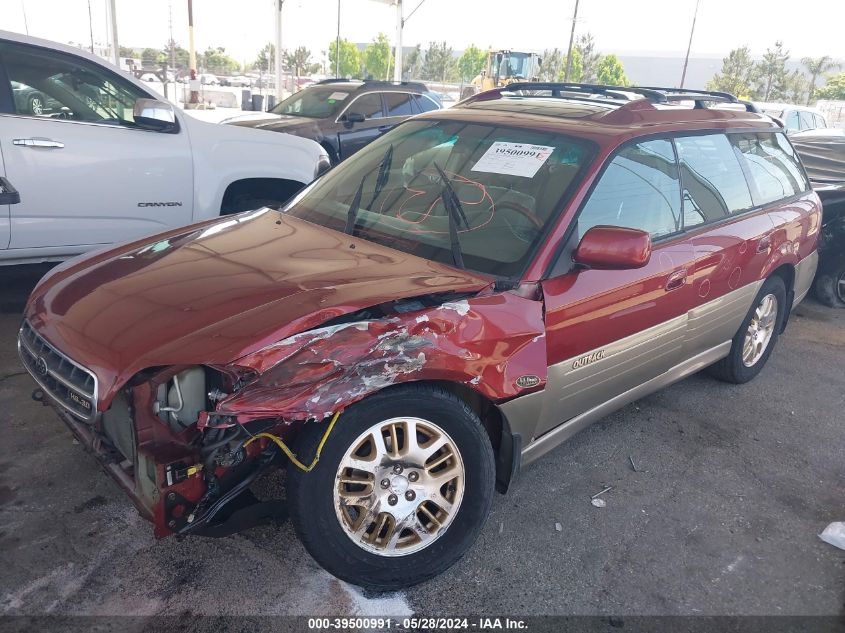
830,285
401,491
756,337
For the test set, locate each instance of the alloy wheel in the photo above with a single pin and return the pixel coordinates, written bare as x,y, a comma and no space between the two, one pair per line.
399,486
36,106
760,330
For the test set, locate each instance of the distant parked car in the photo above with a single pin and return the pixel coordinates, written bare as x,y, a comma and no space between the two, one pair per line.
236,81
32,101
344,116
97,157
207,79
794,118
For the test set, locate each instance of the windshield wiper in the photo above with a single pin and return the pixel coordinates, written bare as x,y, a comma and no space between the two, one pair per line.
381,181
352,214
383,174
455,213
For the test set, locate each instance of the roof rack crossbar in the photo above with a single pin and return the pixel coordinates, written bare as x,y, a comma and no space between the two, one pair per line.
654,94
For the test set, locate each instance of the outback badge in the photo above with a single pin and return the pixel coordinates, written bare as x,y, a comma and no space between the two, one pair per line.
525,382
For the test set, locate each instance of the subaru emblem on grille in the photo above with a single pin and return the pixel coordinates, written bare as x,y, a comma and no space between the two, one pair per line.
41,366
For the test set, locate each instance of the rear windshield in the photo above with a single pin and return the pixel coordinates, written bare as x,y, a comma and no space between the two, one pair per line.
508,184
318,102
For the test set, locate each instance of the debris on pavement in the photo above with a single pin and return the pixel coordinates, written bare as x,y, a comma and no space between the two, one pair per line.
834,534
599,494
631,459
599,503
558,527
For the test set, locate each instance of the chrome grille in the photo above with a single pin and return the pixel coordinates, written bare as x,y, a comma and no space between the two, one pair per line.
68,383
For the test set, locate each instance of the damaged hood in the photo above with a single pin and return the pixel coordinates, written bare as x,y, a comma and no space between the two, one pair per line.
217,291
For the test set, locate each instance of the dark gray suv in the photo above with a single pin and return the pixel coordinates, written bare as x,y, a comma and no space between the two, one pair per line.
344,115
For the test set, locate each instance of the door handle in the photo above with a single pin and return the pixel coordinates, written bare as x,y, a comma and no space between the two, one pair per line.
676,280
764,244
38,142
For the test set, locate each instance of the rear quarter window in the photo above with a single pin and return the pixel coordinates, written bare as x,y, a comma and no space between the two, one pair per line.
773,168
712,180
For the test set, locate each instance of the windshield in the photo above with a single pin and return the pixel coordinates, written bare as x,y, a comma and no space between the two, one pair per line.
515,65
318,102
465,194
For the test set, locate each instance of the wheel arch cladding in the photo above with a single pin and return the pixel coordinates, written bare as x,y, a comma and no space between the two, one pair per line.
477,348
787,274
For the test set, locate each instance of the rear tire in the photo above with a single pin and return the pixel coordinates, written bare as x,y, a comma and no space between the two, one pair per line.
757,336
357,531
830,285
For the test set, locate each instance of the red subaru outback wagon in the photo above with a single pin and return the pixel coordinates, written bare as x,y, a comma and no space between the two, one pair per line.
440,309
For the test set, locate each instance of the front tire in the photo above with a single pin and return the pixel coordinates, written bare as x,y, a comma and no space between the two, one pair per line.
401,491
757,336
36,105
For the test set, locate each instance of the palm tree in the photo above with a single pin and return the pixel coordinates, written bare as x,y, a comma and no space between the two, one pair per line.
817,66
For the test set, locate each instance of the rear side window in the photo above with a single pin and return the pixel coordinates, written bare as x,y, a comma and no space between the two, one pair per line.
820,122
369,105
791,121
398,104
806,121
639,190
713,183
773,168
424,104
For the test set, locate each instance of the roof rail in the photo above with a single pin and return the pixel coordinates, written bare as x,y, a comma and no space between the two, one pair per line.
374,82
653,94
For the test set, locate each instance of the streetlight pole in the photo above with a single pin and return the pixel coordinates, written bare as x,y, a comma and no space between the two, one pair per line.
115,45
337,45
279,5
571,41
689,46
397,58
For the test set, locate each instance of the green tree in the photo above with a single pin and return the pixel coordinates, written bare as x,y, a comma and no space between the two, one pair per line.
576,69
297,61
817,67
180,57
471,63
378,57
439,63
737,76
796,86
833,89
552,66
590,58
610,71
125,51
266,58
412,63
150,57
772,76
217,61
350,59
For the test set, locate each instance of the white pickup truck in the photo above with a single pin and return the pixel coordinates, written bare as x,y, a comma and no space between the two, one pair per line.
97,158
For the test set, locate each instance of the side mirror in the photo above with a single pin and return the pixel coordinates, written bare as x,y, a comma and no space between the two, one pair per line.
155,115
354,117
613,248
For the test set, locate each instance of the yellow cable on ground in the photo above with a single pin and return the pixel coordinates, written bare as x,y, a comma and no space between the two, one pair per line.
278,441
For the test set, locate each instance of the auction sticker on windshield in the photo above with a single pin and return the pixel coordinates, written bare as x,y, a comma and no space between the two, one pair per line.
338,96
513,159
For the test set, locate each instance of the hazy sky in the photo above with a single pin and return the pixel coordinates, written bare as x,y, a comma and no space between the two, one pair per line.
807,28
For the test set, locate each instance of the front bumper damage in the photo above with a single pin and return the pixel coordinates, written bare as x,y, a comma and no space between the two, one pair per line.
185,477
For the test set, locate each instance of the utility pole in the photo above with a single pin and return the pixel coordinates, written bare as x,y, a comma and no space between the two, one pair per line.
90,27
571,41
114,43
279,4
172,42
337,45
689,46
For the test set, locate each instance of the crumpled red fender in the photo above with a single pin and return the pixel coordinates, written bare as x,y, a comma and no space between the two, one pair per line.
485,343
